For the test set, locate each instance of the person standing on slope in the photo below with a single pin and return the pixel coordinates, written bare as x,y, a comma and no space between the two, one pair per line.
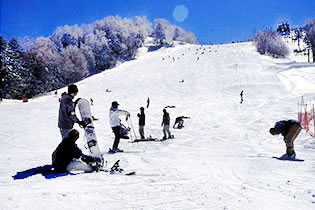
166,124
241,96
141,122
114,120
289,129
67,156
67,117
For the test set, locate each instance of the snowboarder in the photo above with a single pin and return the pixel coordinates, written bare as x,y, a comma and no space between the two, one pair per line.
180,121
166,124
114,113
148,102
141,122
67,156
289,129
67,116
241,96
91,100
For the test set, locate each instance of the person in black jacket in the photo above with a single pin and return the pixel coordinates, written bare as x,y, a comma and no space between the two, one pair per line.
289,129
166,124
64,155
141,122
67,117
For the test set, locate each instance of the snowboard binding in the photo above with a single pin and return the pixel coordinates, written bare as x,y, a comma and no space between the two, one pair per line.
116,168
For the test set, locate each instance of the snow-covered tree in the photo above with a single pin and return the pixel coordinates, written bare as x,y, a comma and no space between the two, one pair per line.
163,32
270,43
75,52
310,35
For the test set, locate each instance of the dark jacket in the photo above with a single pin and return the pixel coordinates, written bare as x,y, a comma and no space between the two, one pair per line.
283,126
66,117
64,153
141,119
166,119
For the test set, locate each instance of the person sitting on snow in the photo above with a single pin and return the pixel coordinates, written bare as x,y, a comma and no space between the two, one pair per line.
114,120
289,129
67,156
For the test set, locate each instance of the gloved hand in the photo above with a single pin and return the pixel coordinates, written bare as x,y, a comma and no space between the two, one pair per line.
97,159
82,124
128,115
87,159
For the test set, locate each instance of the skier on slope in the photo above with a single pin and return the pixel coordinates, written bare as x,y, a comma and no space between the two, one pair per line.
67,117
67,156
166,124
289,129
114,113
141,122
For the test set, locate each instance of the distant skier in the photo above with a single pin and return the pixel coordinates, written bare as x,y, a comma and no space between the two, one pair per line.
141,122
166,124
289,129
67,117
67,156
241,96
180,121
91,101
148,102
114,113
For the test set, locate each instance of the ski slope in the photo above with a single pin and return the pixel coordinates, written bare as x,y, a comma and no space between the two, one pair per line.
221,159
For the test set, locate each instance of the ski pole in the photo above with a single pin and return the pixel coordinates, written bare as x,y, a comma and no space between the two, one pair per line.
130,132
132,128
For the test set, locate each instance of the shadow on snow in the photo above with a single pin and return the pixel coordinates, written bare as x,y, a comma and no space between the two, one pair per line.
46,170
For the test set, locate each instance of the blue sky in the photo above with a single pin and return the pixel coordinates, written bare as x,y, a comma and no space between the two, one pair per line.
219,21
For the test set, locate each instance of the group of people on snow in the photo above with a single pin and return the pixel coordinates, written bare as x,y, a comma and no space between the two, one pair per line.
67,150
65,157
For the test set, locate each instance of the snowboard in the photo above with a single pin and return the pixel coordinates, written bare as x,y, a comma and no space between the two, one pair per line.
110,151
288,159
90,136
144,140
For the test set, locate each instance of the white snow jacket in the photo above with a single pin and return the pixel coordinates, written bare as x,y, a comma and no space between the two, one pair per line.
114,116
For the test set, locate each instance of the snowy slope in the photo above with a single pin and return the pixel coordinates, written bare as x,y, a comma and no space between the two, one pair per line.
221,159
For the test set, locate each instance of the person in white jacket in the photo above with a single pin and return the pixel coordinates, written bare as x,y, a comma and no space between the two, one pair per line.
114,120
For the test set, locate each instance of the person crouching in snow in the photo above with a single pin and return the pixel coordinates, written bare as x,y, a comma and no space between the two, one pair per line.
289,129
67,156
114,120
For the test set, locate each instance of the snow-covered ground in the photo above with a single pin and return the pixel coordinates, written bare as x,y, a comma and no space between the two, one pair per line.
221,159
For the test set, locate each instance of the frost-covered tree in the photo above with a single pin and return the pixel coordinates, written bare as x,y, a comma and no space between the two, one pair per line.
75,52
310,35
270,43
163,32
74,64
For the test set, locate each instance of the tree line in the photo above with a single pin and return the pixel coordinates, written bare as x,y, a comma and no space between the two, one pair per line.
73,53
270,42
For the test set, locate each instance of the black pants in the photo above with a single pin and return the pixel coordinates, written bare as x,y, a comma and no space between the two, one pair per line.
116,131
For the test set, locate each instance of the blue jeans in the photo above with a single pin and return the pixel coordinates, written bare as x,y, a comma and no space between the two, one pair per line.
64,132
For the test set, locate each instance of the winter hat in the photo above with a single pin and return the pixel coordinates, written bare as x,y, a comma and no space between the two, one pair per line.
72,89
115,104
141,108
73,134
273,131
